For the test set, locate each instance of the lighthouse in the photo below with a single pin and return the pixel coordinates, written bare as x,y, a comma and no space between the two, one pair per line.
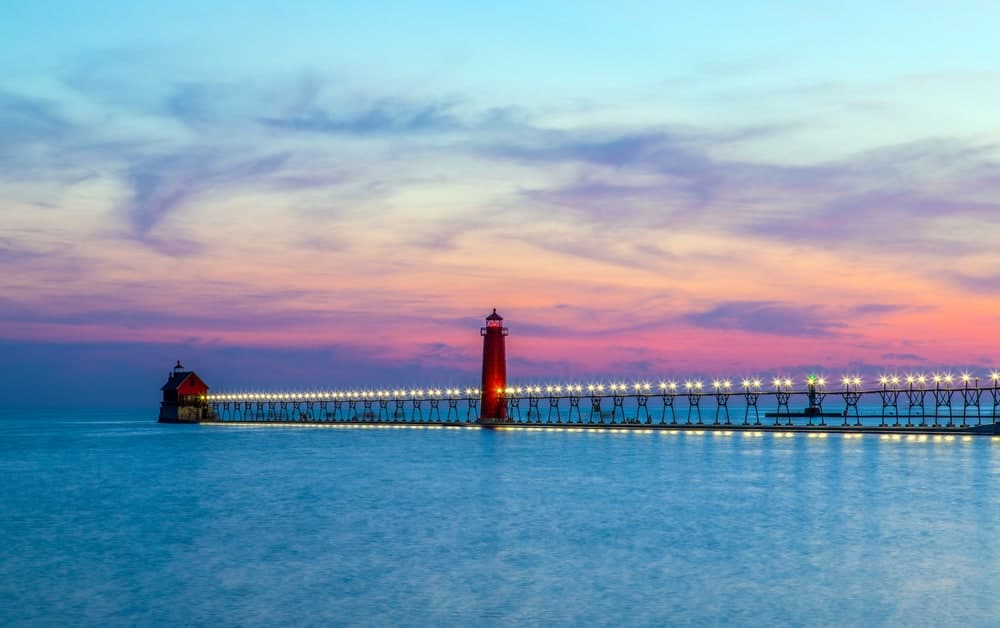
494,406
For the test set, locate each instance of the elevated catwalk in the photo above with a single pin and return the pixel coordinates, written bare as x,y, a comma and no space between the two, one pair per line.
930,405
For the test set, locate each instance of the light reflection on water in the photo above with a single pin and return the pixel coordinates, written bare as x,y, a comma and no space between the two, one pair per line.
112,519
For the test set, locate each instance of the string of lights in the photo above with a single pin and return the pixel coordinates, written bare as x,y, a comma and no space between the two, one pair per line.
690,386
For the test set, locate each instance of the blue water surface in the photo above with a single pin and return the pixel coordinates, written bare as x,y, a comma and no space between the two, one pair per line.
110,518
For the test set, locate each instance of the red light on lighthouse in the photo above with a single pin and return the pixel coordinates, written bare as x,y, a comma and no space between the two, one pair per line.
494,406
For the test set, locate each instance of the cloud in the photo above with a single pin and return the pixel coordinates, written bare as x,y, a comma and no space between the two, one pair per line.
161,185
765,317
887,198
383,117
10,254
977,283
877,308
903,357
24,120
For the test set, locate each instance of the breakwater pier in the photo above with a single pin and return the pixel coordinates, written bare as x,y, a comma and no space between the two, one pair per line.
932,405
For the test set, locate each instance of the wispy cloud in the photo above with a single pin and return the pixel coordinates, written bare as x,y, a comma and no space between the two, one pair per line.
766,317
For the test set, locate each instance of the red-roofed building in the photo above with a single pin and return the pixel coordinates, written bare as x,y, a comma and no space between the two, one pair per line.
184,397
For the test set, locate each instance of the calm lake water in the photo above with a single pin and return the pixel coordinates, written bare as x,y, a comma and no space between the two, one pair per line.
113,519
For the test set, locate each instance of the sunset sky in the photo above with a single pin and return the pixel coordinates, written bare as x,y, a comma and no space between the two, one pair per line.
337,193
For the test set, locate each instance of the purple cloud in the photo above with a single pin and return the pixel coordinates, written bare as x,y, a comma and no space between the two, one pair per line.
766,317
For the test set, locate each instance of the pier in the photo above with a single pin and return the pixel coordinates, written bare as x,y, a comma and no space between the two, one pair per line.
938,404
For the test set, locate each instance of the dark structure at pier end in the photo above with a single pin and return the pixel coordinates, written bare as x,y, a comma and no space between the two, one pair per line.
494,405
184,398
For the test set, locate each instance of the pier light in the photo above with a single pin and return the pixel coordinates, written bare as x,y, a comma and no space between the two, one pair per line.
578,388
788,381
688,385
921,379
590,388
948,378
995,376
746,383
646,386
757,383
559,389
663,385
856,380
777,382
549,389
894,379
727,384
600,388
716,384
937,378
883,380
966,377
672,386
846,380
821,381
698,385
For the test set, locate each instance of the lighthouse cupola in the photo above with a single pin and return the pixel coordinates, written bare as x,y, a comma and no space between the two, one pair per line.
494,404
493,320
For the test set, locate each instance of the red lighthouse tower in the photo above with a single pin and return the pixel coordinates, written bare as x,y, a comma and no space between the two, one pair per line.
494,406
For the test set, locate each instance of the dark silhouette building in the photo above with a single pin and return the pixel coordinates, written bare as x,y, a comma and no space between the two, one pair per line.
184,397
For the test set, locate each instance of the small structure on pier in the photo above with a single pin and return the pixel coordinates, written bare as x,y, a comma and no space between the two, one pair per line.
184,397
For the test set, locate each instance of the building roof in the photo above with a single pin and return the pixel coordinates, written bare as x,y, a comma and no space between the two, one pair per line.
176,379
494,316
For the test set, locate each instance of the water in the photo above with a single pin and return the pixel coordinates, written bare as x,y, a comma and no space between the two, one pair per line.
113,519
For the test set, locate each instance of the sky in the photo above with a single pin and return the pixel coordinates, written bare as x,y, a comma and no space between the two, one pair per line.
292,195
